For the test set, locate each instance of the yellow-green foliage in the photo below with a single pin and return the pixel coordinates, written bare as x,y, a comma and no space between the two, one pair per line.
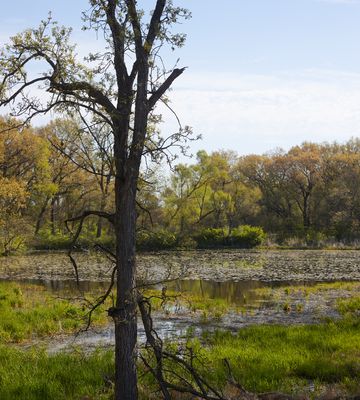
29,310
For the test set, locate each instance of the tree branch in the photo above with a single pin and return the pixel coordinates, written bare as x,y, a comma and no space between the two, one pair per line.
164,87
154,25
102,214
94,93
135,22
118,36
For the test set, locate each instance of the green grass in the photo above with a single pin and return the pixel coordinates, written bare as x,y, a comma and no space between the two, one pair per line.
349,306
280,358
28,311
33,375
263,359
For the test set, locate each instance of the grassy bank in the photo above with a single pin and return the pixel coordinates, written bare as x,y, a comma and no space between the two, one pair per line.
28,311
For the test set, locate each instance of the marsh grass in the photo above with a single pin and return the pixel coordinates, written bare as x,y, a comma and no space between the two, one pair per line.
34,375
263,359
28,311
279,358
349,306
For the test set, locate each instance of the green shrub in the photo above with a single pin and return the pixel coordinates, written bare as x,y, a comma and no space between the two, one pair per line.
210,237
158,240
46,241
60,241
246,236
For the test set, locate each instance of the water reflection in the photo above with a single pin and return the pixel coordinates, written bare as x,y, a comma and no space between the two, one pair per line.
69,285
239,293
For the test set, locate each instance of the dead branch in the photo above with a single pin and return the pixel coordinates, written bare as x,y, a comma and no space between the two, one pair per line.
101,300
200,388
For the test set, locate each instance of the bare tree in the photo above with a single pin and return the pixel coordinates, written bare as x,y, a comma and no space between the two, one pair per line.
119,87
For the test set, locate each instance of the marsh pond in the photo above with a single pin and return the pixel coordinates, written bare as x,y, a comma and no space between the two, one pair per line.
217,289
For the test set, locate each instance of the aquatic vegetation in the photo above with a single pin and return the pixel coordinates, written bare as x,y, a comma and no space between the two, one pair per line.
174,302
286,307
263,358
306,290
349,306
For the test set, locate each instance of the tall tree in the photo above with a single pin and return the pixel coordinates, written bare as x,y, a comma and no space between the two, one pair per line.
120,90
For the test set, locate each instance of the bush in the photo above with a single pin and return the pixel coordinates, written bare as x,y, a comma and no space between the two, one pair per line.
46,241
158,240
247,236
210,237
61,241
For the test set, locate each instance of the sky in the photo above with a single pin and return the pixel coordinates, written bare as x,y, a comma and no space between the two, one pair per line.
262,74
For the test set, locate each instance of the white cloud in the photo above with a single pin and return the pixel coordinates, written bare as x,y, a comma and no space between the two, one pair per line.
255,113
340,1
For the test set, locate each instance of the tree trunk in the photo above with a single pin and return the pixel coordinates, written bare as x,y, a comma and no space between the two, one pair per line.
52,216
306,212
40,217
125,317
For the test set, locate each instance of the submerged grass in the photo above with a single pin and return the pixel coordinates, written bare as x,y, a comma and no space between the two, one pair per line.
28,311
200,304
349,306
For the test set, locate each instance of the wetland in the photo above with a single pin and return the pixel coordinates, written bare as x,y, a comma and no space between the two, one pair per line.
276,295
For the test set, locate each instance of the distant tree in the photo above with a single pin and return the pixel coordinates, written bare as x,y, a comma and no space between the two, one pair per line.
304,178
24,168
92,153
13,227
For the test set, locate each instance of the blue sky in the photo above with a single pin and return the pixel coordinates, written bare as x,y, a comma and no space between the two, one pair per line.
262,73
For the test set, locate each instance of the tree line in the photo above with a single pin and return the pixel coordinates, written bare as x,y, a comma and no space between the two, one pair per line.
49,175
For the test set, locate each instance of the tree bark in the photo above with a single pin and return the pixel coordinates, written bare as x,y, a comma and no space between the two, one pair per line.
306,211
125,317
125,313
